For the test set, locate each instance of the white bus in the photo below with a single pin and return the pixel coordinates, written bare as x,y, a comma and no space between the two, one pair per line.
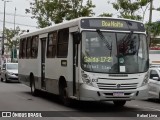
89,59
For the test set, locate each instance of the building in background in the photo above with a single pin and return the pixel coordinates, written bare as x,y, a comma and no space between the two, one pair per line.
7,53
155,44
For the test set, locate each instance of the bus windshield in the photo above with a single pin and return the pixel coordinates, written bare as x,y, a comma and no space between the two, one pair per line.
111,52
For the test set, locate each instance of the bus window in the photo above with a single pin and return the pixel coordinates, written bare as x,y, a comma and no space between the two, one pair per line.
34,47
62,46
51,49
20,49
23,48
28,47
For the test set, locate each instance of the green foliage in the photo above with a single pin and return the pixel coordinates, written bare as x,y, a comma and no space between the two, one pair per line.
128,8
105,15
153,28
55,11
9,35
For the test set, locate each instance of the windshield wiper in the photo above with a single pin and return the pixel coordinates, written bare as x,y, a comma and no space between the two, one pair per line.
125,41
129,36
104,39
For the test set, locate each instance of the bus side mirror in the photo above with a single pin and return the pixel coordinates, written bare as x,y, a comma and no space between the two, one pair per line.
76,37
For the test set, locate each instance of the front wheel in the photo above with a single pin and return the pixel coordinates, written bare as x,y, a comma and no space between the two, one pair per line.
64,95
119,103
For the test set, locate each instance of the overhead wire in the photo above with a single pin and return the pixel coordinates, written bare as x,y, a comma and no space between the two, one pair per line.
18,24
18,15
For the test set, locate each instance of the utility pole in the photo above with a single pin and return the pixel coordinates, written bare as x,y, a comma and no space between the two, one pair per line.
14,19
2,42
13,47
150,14
150,21
3,36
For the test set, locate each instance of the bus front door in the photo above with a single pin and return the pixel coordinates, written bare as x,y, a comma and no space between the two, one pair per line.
75,66
43,48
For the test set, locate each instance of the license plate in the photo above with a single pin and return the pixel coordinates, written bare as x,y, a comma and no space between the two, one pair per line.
118,94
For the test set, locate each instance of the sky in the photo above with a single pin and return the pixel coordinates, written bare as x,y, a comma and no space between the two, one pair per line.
22,18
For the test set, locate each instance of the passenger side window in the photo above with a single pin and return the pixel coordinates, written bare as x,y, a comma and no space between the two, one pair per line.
62,46
34,47
153,73
51,49
20,49
28,49
23,48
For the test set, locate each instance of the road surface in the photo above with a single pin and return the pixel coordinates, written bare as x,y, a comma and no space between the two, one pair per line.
17,97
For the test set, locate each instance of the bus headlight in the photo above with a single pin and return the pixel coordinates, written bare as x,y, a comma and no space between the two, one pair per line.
145,80
86,79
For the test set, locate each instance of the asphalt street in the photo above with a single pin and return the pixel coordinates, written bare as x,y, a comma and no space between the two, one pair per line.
17,97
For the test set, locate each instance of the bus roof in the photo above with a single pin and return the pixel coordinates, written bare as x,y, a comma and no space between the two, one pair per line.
70,23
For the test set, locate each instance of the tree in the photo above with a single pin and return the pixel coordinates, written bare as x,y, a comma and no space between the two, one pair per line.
105,15
128,8
9,35
154,27
48,12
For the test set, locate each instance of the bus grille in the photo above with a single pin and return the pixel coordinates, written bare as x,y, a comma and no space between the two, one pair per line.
110,86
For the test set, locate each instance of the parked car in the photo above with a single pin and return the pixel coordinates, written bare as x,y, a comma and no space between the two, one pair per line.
9,72
154,83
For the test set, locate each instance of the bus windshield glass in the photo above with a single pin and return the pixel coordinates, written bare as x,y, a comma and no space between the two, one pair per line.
110,52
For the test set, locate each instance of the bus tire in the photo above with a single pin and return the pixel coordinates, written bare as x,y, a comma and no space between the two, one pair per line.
34,91
119,103
64,94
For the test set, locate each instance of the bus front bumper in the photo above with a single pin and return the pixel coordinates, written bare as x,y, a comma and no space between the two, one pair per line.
89,93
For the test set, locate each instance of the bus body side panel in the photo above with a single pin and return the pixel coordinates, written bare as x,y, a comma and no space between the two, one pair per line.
53,71
25,68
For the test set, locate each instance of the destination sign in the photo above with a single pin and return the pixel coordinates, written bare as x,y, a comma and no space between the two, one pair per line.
112,24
